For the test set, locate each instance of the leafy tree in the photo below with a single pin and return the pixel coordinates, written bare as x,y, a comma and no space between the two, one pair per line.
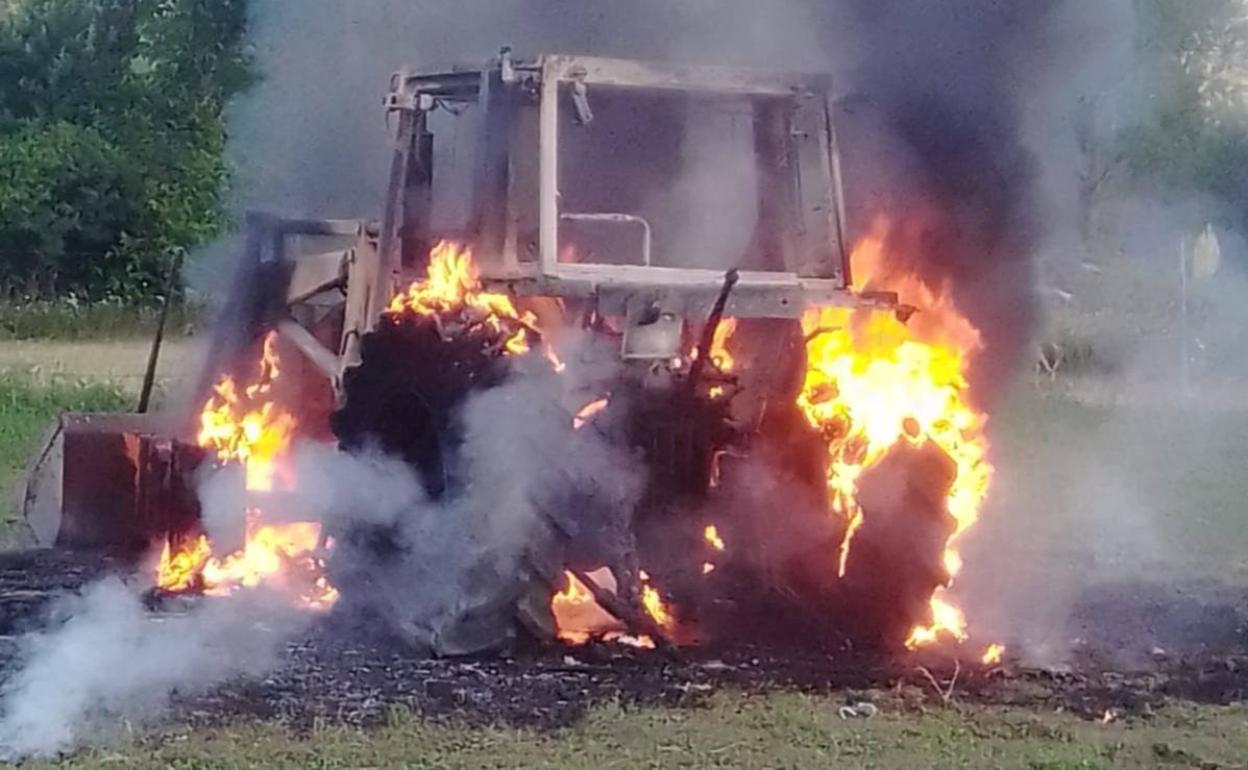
1196,140
112,139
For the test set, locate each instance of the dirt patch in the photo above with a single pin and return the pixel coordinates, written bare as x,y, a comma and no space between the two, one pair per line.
120,363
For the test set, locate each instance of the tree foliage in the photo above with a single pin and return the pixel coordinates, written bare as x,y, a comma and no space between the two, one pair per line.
112,139
1195,138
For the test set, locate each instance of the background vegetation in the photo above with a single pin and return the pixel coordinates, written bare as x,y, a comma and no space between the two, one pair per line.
112,134
1193,133
112,140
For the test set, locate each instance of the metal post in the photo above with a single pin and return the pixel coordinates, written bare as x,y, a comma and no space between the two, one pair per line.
548,188
390,247
1184,353
153,356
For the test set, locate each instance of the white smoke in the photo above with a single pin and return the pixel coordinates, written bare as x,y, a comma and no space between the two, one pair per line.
112,663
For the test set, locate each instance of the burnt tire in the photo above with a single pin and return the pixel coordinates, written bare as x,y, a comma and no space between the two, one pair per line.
405,395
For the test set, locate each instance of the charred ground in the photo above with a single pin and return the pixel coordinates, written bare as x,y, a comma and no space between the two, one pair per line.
1168,645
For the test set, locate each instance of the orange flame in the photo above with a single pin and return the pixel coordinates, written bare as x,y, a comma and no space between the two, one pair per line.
992,656
588,411
579,618
719,345
655,607
711,535
873,382
248,427
452,284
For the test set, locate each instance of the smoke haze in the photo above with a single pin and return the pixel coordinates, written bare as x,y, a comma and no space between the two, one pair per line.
967,122
111,663
963,114
107,661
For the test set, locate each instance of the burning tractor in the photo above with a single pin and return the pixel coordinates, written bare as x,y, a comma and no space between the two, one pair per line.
663,247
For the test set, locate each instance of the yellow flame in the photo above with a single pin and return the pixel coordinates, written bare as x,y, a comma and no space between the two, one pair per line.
719,345
873,382
452,284
993,654
946,619
654,605
711,535
247,426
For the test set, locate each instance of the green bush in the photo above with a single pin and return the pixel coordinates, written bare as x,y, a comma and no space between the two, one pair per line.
112,140
66,196
1191,142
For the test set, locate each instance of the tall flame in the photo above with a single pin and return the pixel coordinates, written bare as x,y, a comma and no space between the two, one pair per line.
873,382
247,426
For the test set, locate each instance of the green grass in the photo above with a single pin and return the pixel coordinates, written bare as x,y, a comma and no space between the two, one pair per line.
66,320
1166,481
27,411
734,731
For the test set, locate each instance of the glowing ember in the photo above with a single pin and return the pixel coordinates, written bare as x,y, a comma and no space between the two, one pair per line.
711,535
655,608
720,356
248,427
452,285
873,382
588,411
579,618
992,656
179,571
707,568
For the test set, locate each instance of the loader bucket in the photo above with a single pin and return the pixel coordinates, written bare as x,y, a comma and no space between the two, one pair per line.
109,481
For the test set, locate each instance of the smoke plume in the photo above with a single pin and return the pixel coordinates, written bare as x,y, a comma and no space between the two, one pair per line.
955,123
106,660
956,118
111,663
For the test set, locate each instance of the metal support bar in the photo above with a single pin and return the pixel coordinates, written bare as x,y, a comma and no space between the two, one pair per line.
153,355
708,332
325,227
548,186
392,220
320,356
628,219
838,195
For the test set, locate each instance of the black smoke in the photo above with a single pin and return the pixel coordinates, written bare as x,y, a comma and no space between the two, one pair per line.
935,141
934,98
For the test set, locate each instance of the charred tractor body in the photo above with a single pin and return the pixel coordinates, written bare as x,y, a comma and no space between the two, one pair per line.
651,206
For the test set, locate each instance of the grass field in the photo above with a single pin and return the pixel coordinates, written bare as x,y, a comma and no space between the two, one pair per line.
27,410
1162,486
778,731
1176,475
39,379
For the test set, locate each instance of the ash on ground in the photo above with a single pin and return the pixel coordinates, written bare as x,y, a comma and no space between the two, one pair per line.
1135,648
